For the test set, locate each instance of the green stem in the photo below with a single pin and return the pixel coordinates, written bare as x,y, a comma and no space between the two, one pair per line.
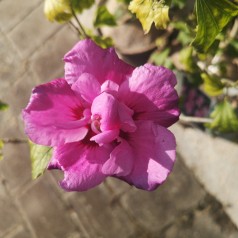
13,140
186,119
76,28
83,33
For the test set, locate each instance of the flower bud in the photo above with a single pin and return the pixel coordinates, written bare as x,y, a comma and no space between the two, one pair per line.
58,10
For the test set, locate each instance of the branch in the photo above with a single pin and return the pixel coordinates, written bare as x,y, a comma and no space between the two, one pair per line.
186,119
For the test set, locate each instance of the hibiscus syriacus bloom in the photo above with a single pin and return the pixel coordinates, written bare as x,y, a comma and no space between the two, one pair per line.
106,118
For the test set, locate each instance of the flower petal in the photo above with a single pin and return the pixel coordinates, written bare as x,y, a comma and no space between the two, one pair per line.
150,93
105,137
110,87
81,164
106,106
53,164
154,150
87,87
121,161
55,115
127,122
104,64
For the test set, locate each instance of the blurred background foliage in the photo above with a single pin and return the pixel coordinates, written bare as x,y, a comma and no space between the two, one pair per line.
197,38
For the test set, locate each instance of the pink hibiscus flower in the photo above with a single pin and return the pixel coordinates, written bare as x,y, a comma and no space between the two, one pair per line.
106,118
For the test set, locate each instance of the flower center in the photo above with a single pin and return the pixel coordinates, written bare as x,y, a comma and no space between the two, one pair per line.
95,124
77,113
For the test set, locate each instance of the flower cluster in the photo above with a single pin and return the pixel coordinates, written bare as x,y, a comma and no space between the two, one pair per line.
106,118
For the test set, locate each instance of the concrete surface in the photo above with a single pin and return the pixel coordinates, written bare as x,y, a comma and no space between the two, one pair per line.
214,162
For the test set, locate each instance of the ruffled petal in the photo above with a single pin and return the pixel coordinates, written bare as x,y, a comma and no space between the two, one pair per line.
127,122
154,150
105,137
87,87
53,164
104,64
110,87
81,164
55,115
150,93
105,106
121,161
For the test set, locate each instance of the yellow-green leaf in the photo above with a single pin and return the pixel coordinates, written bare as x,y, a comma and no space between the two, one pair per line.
179,3
104,17
1,148
187,60
212,85
224,118
162,58
151,11
104,42
58,10
40,157
212,17
3,106
61,10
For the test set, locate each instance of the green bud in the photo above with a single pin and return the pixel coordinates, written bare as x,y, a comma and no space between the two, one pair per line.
58,10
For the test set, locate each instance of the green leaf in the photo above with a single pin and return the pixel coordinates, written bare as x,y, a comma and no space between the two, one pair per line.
40,157
1,148
186,58
104,42
162,58
212,85
149,11
80,5
159,58
58,10
104,17
179,3
212,17
3,106
185,32
224,118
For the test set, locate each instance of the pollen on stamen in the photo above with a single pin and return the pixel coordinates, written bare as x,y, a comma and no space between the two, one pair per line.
95,123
